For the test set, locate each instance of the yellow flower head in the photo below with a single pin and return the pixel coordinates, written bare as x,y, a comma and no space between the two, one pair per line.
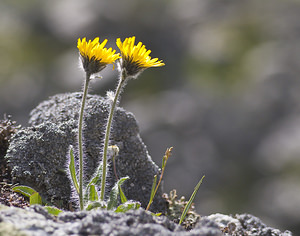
135,58
94,56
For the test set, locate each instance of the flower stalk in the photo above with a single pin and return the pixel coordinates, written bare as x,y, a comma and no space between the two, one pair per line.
121,84
80,146
94,58
135,59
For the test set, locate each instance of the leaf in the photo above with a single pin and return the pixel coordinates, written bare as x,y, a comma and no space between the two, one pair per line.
73,171
122,195
129,205
113,198
93,194
156,214
35,198
154,185
152,192
53,210
187,207
96,180
25,190
94,205
153,188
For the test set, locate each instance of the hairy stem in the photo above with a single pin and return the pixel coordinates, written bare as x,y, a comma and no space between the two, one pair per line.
85,90
107,131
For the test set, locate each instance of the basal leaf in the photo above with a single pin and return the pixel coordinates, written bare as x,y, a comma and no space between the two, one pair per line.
73,171
96,180
53,210
129,205
35,198
122,195
113,198
94,205
156,214
25,190
93,194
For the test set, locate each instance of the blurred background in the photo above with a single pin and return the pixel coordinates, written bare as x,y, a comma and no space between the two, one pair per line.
228,99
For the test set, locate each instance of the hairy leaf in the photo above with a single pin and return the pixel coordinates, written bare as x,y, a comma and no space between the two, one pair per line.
129,205
73,171
113,198
93,194
94,205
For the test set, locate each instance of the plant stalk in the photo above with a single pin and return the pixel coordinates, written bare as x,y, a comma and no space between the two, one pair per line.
85,90
165,159
107,131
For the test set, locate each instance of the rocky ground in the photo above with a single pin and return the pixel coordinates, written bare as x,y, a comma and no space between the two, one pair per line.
7,196
36,221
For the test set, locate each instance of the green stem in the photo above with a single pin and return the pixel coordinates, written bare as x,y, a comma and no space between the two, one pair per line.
85,90
107,132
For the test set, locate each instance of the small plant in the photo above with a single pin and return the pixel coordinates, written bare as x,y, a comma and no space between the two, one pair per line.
155,186
35,198
190,201
94,57
181,211
132,60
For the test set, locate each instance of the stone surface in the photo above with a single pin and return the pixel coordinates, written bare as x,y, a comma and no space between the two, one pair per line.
37,222
244,224
38,155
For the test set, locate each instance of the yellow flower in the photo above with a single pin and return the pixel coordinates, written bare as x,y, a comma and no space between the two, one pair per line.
94,56
135,58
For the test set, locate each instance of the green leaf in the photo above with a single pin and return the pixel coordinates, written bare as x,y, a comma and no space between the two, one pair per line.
187,207
94,205
113,198
153,189
93,194
122,195
73,171
53,210
129,205
35,198
96,180
156,214
25,190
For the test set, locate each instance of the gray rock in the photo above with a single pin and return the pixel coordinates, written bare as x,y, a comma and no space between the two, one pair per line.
36,221
206,227
37,158
38,155
254,226
243,224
